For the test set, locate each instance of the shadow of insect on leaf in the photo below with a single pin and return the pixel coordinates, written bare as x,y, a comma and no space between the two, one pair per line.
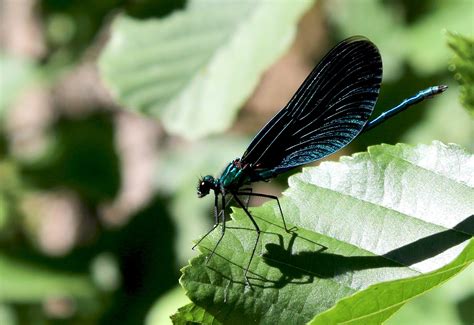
321,264
304,266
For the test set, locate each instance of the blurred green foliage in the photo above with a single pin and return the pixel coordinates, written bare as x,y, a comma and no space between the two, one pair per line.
116,274
72,25
82,158
463,66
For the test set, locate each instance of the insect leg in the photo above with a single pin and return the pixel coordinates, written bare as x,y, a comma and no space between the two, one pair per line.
257,229
248,192
279,207
222,214
420,96
216,221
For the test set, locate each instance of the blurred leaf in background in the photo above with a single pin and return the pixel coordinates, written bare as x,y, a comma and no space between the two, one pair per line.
198,66
28,283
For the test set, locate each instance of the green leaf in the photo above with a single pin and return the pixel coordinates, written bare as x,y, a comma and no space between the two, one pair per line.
26,283
196,67
195,315
396,221
463,66
444,303
377,303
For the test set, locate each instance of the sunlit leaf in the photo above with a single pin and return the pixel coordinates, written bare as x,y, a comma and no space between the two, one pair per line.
195,315
396,222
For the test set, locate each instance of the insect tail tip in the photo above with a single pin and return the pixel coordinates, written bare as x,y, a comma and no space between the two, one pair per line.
442,88
436,90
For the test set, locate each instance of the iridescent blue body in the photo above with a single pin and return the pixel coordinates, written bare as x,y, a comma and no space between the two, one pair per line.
233,176
329,110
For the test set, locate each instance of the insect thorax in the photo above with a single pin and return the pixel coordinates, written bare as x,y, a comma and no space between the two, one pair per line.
233,175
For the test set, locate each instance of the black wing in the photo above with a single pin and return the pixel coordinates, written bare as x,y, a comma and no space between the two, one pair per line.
326,113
